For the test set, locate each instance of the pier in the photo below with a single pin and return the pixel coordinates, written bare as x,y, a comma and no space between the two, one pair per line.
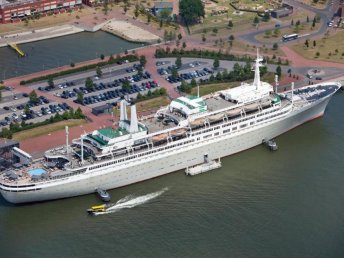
16,48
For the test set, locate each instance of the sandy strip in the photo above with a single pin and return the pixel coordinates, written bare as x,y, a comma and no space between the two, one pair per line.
41,34
130,32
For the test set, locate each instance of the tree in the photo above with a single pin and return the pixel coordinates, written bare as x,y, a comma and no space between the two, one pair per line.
140,71
174,72
165,36
292,22
256,20
216,63
266,17
307,43
80,97
164,14
185,87
89,83
203,38
136,13
278,71
99,71
179,36
230,40
178,62
51,81
78,114
314,43
298,23
143,60
275,46
6,133
314,21
317,54
102,56
230,24
215,30
193,82
184,45
26,110
307,19
126,85
148,18
191,11
267,33
33,96
276,32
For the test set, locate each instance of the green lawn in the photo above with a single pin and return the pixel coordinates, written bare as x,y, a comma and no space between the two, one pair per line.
46,129
329,48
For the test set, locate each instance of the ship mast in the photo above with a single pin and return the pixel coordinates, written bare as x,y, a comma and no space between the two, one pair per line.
67,134
258,64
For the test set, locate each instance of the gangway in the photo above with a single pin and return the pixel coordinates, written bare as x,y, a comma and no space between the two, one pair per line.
16,48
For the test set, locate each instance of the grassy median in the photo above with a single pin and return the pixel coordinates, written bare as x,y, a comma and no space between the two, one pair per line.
46,129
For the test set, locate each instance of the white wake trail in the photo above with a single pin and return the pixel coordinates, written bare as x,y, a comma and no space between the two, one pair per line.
131,201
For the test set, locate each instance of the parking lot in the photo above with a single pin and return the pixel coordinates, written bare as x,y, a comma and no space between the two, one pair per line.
17,107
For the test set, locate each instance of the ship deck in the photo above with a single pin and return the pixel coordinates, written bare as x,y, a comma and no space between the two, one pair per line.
19,176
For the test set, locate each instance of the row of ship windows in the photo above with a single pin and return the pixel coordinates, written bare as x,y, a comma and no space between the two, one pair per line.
140,155
186,142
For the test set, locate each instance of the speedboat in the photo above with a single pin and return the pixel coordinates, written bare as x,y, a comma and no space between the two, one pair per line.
104,195
97,208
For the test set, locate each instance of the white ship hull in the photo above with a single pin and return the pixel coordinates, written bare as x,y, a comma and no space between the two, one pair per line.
163,163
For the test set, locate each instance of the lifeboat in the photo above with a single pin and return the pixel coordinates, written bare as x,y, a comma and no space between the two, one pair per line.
251,107
233,112
197,122
160,137
265,103
178,132
216,117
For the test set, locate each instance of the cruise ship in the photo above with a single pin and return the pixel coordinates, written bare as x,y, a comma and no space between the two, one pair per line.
188,131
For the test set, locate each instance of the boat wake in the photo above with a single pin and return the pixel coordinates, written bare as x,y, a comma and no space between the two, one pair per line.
131,201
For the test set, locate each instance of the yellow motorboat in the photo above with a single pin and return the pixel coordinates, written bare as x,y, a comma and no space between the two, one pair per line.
97,208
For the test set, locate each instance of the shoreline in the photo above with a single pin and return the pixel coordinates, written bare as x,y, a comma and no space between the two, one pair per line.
69,29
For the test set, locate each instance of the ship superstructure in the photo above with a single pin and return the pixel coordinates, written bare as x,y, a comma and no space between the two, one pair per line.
178,136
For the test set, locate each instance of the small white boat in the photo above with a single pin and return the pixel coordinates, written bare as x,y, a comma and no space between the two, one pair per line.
104,195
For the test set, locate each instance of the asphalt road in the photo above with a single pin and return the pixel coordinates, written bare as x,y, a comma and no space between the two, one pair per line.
325,16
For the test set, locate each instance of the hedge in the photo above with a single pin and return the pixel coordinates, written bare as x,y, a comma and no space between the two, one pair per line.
130,58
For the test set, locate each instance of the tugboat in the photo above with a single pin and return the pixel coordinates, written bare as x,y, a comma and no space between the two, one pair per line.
104,195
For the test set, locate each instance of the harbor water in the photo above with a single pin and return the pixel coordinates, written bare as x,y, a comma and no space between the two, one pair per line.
288,203
51,53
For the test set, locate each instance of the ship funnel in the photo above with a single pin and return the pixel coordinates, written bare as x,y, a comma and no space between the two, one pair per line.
123,113
134,125
123,110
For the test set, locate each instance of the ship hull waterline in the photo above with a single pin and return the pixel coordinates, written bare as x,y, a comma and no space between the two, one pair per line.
217,147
